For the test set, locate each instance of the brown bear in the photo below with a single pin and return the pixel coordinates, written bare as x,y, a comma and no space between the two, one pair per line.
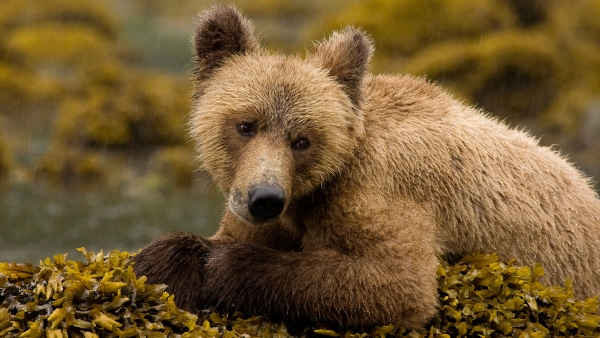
344,189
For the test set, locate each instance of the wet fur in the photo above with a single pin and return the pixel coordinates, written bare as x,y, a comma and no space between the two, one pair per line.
397,175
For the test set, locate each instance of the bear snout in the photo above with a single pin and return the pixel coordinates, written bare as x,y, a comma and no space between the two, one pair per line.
266,202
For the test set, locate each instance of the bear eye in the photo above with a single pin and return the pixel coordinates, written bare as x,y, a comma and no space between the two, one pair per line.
301,144
246,128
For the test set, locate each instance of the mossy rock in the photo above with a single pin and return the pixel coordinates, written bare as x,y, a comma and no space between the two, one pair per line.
55,45
64,165
577,19
176,164
5,160
131,109
14,85
400,28
480,296
512,74
72,47
51,44
16,14
84,81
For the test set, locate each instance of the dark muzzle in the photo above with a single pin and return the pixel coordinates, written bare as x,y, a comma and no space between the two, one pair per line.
266,202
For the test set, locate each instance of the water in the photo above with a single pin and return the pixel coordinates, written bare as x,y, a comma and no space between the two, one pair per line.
38,221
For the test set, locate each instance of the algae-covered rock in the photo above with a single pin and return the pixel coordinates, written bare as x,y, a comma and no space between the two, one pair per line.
512,74
47,46
72,53
71,165
176,164
66,60
125,109
21,13
480,296
401,28
4,160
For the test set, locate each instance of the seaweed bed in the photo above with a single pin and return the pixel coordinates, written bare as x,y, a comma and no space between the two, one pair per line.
480,296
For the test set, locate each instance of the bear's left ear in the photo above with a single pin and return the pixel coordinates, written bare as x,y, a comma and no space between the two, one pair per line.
346,55
221,32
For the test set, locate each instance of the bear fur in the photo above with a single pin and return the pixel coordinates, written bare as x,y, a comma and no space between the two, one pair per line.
344,189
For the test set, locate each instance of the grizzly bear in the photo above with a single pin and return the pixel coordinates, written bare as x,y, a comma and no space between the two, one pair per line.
345,189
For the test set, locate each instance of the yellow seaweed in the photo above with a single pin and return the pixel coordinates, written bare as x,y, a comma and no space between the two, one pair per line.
479,296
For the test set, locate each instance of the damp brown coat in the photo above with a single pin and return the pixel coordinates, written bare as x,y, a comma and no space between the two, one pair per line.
344,189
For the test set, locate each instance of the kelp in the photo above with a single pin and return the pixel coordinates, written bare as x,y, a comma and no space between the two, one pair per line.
100,298
480,296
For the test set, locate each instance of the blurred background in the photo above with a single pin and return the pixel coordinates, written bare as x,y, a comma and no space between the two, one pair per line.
94,96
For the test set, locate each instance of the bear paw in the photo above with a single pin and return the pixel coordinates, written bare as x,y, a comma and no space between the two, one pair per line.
176,259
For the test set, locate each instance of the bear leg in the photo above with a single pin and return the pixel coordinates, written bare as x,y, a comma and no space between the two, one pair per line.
321,286
176,259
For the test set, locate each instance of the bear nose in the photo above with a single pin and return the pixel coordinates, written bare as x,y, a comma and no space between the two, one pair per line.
266,202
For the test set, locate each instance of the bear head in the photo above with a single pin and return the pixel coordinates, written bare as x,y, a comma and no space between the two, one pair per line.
271,128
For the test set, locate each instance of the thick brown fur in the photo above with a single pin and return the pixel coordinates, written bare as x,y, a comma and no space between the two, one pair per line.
397,174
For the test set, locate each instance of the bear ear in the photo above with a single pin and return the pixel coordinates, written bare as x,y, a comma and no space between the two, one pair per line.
221,32
346,55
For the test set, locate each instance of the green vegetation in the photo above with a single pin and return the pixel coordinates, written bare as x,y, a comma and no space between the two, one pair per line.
479,297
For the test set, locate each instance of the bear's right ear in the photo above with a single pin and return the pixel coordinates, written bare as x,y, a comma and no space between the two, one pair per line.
221,32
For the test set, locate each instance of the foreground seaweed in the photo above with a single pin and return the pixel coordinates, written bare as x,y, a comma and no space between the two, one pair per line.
479,296
102,298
